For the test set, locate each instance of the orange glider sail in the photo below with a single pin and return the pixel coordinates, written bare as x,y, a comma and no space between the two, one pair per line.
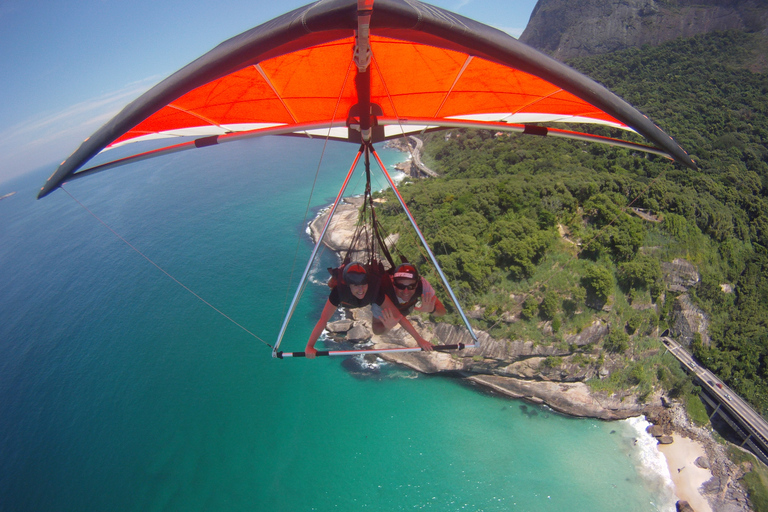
358,71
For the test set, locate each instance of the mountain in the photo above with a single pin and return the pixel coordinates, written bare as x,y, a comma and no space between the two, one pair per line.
577,28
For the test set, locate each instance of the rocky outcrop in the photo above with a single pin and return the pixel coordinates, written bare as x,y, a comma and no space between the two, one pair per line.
517,369
679,275
342,226
553,374
539,373
339,326
567,29
573,399
724,490
688,321
341,230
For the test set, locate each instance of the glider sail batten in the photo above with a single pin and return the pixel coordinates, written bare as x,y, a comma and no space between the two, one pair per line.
422,56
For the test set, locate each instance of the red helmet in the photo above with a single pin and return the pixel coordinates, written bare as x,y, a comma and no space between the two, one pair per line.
355,273
405,271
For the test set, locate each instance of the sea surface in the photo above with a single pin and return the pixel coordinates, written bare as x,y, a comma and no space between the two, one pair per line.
121,390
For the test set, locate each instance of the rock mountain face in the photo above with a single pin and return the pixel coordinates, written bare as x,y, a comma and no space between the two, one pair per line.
568,28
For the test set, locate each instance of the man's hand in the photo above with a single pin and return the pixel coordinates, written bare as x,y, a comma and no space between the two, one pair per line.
424,344
427,303
388,319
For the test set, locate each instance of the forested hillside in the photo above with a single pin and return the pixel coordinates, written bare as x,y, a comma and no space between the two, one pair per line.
539,232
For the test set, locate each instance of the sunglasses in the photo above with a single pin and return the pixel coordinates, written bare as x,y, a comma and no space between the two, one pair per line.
401,286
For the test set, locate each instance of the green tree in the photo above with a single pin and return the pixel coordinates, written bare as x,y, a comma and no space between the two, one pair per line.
617,341
643,272
599,281
530,308
550,305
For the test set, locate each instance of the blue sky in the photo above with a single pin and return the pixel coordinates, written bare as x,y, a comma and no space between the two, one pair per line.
67,67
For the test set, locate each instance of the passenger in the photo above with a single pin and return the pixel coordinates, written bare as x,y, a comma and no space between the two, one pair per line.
358,288
405,288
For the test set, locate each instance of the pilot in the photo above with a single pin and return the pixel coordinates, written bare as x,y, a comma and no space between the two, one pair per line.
358,287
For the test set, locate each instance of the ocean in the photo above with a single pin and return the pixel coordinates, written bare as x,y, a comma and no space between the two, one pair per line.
122,391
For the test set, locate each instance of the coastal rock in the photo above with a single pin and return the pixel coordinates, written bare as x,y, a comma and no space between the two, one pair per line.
702,462
679,275
339,326
358,333
525,369
341,230
655,430
665,439
506,350
519,358
688,320
713,486
574,399
683,506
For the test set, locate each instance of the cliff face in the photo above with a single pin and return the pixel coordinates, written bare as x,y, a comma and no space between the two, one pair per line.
567,28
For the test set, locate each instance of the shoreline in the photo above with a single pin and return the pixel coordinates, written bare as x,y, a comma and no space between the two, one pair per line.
681,456
568,398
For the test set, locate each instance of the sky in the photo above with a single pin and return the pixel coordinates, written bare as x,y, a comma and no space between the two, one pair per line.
66,68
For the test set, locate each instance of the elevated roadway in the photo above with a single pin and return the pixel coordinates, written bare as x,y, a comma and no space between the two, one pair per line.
417,158
750,425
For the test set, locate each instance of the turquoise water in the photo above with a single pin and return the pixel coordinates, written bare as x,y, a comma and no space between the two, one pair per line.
121,391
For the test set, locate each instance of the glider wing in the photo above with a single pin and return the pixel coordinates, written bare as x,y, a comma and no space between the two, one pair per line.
428,68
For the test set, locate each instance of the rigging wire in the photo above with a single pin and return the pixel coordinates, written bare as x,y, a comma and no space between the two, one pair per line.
405,137
312,190
161,269
392,105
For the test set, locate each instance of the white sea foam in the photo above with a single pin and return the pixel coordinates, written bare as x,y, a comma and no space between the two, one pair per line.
320,213
364,344
651,463
397,176
317,275
366,364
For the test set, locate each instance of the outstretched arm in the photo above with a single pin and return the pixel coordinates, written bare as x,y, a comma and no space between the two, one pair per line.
326,315
424,344
429,301
387,320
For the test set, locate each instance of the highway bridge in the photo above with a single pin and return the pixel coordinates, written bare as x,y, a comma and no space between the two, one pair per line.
744,420
417,158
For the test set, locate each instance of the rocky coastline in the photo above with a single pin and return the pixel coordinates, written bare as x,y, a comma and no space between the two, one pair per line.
519,369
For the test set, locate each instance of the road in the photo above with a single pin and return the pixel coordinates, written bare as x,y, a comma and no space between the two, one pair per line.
417,158
738,409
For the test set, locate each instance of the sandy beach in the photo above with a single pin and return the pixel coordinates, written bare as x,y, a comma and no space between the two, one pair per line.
686,475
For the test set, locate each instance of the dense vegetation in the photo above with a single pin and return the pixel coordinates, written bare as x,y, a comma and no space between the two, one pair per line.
541,234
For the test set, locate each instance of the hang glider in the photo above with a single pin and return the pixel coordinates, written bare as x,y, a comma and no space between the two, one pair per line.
355,71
